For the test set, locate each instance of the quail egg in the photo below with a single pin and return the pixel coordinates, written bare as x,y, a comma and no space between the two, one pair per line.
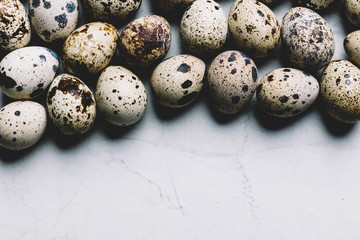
22,123
352,48
286,92
172,5
316,5
352,11
120,96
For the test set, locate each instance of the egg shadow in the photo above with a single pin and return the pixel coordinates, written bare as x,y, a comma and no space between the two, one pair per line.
112,131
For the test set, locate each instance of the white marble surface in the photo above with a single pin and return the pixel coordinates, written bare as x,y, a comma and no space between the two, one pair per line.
190,174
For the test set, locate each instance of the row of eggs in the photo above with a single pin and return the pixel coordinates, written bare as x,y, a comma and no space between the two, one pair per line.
122,98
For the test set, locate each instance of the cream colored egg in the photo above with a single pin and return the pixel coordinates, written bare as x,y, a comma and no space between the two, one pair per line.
53,20
173,5
254,28
71,105
340,91
307,38
203,28
177,81
316,5
22,123
27,72
286,92
232,78
352,47
90,48
105,9
352,11
120,96
15,27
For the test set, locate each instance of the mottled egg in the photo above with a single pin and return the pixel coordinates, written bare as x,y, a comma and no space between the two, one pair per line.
90,48
340,90
71,105
27,72
15,27
172,5
178,80
120,96
203,28
316,5
53,19
352,11
307,38
105,9
286,92
145,41
352,47
22,123
254,28
231,81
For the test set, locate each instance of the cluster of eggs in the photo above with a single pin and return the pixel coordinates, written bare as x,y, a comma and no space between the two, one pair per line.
120,96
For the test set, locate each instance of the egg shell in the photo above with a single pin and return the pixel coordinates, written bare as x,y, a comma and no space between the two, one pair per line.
307,38
90,48
316,5
172,5
106,9
15,27
53,20
340,90
71,105
177,81
22,123
145,41
352,11
203,28
254,28
120,96
27,72
352,47
231,81
286,92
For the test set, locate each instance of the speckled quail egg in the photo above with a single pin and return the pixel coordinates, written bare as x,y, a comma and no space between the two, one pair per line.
352,47
90,48
352,11
15,27
316,5
71,105
172,5
231,81
105,9
254,28
307,38
178,80
340,90
120,96
27,72
22,123
145,41
53,19
286,92
203,28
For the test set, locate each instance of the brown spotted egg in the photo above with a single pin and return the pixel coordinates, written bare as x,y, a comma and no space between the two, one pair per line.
105,9
307,38
53,19
90,48
203,28
172,5
340,90
145,41
27,72
316,5
177,81
120,96
352,11
15,27
352,47
286,92
71,105
22,123
254,28
231,81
